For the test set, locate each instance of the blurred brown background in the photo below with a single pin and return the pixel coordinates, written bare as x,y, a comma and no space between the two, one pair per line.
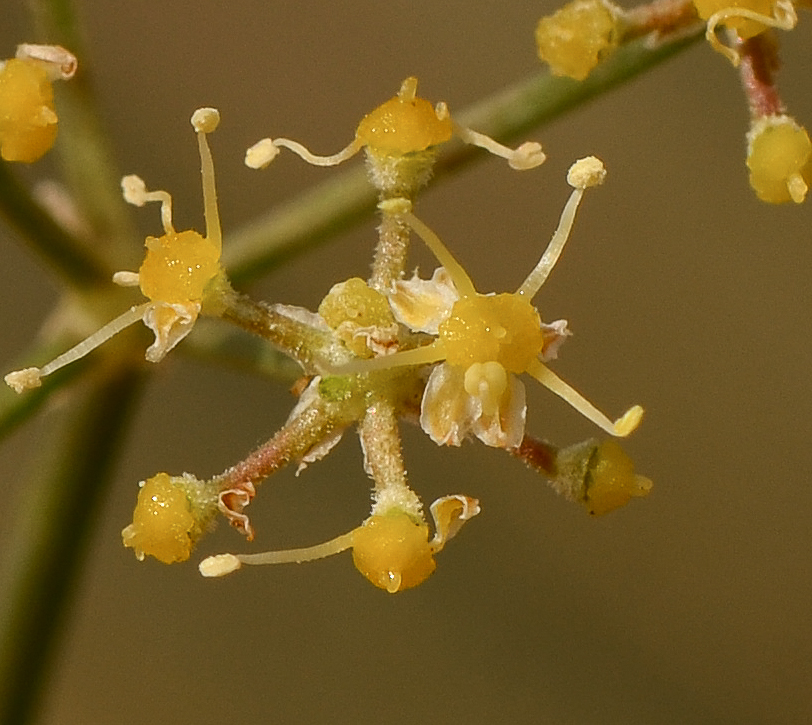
684,292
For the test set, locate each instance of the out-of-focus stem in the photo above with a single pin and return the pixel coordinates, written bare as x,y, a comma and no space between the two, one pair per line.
661,17
15,409
60,250
83,146
537,454
759,62
48,546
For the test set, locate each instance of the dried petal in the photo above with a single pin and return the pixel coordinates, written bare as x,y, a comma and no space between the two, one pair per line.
449,514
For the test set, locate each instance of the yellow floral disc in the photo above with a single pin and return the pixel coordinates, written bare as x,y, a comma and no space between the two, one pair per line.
403,125
177,267
503,328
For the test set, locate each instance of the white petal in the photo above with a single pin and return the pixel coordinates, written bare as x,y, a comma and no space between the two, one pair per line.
504,429
309,397
554,335
320,450
300,314
422,304
445,413
170,323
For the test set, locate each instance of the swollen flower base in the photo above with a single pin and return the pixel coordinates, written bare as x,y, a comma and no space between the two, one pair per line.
377,351
171,515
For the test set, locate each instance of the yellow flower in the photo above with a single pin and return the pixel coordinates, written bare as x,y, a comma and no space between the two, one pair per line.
598,475
483,341
391,548
171,514
399,137
179,270
779,156
28,120
574,39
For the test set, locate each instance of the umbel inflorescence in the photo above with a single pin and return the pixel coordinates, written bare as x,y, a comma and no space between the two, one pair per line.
436,351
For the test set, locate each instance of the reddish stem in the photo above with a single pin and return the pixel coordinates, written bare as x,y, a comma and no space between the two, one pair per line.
759,62
664,17
292,442
537,454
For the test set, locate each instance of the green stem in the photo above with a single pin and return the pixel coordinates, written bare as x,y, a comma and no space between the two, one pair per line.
16,408
311,347
48,546
348,197
380,439
286,231
61,251
86,155
216,344
390,253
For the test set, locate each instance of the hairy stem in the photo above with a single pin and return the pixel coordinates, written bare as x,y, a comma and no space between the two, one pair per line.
390,254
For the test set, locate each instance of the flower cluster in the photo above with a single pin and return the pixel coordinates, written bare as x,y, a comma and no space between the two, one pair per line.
376,351
574,40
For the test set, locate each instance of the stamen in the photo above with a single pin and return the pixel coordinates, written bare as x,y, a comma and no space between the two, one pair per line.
30,377
460,278
311,158
261,154
538,276
785,18
583,174
127,279
222,564
135,192
60,64
206,120
527,156
621,427
408,89
424,355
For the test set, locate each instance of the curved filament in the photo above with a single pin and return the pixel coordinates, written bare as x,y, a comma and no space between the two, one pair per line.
621,427
460,278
